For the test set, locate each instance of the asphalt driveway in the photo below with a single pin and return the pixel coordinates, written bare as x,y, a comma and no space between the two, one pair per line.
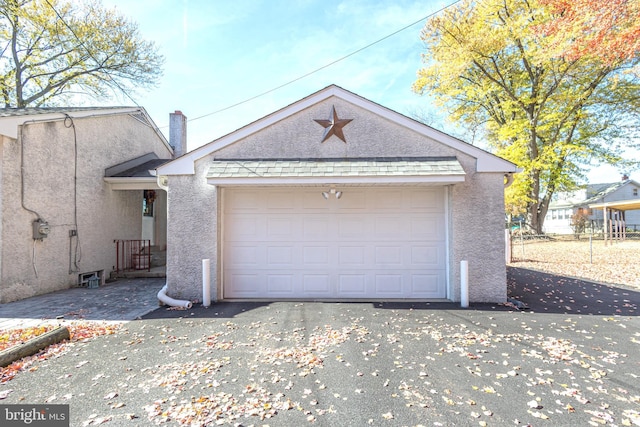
570,359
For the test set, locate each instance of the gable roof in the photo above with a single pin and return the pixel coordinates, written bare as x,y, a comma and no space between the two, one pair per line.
12,118
603,190
486,162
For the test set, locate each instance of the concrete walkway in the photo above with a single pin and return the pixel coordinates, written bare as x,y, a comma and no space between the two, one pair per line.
122,300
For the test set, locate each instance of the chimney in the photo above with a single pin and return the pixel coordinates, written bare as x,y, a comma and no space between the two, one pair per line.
625,176
178,133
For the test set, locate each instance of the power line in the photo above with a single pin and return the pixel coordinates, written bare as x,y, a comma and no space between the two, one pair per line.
324,66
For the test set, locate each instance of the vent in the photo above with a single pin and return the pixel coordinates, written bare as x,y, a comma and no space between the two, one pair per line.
91,279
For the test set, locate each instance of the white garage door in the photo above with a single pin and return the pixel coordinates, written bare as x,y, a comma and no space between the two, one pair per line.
372,243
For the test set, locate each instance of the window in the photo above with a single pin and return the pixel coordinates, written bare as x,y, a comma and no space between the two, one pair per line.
635,192
554,214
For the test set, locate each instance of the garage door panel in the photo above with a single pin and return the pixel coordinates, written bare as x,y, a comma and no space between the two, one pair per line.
387,199
428,256
281,256
315,228
427,284
281,284
390,227
431,228
352,227
245,285
280,201
369,244
352,285
390,255
351,256
316,284
242,201
312,201
245,226
426,201
282,228
244,256
353,200
315,256
389,285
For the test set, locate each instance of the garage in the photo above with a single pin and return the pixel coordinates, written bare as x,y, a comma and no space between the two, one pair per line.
342,243
336,198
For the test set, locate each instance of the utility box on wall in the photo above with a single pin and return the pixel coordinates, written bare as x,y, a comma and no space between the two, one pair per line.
40,229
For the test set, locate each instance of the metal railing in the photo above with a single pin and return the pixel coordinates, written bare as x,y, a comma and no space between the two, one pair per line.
133,255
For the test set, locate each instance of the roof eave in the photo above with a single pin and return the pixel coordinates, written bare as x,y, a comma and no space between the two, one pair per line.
346,180
132,183
9,125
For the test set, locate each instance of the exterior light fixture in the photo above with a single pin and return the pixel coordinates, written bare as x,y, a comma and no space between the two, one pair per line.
333,191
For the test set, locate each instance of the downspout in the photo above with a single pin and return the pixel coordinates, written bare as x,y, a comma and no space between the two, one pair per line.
167,300
162,295
162,182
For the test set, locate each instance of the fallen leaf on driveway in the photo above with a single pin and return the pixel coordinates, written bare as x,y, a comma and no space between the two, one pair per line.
534,404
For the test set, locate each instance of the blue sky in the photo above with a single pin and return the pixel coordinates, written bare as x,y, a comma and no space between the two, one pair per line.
219,53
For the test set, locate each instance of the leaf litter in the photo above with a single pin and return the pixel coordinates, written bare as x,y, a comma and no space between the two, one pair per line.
238,373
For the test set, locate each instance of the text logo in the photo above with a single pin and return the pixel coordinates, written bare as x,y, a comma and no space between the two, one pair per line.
34,415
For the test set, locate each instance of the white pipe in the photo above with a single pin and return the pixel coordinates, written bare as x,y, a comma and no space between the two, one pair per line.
206,283
464,284
507,246
167,300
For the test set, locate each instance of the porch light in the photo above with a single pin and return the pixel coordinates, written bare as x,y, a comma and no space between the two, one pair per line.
333,191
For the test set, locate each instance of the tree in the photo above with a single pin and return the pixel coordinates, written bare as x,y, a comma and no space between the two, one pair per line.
53,49
488,63
579,222
606,31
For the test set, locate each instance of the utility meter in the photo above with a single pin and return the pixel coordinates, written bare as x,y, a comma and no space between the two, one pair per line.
40,229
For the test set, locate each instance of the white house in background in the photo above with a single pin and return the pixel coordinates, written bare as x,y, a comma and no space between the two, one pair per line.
73,180
558,219
335,197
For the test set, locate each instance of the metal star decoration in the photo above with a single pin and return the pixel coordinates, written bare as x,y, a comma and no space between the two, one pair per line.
333,126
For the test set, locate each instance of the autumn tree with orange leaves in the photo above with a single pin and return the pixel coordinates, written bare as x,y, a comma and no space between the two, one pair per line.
553,85
609,31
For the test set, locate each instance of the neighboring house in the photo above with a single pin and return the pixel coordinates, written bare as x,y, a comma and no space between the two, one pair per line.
73,180
335,197
558,219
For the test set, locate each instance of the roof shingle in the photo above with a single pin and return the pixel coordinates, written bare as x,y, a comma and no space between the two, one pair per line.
281,168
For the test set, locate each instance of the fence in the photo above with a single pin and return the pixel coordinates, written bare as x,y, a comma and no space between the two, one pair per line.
133,255
525,246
